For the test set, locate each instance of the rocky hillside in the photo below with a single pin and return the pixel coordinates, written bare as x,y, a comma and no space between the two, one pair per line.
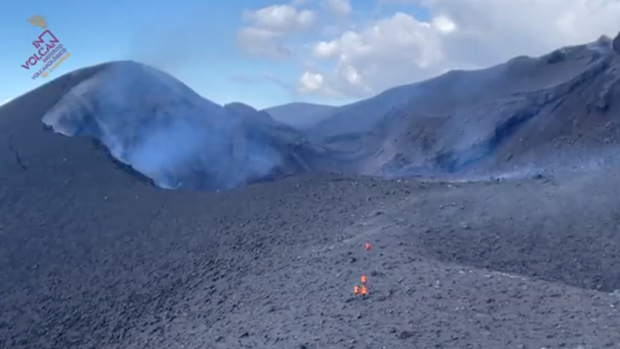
527,112
163,129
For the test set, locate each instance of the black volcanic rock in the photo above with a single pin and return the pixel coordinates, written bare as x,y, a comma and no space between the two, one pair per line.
93,257
615,44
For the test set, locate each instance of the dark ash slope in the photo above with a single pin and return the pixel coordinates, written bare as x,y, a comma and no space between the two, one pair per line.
522,114
92,256
168,132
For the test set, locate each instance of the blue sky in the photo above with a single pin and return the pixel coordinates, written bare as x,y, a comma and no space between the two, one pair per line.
196,39
387,42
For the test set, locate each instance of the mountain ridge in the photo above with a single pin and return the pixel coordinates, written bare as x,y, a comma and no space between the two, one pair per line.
94,256
165,130
434,133
299,114
456,123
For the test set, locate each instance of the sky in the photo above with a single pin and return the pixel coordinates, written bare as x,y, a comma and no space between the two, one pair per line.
269,52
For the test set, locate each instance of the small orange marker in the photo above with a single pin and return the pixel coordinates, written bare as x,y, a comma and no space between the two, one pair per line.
367,246
356,290
363,291
363,279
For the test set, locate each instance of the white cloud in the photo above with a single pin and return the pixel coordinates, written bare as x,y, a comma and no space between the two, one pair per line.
373,59
443,24
280,18
268,26
258,42
337,7
351,75
310,82
401,49
325,49
376,54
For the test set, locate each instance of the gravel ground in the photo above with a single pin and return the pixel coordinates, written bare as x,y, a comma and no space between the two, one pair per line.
92,256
